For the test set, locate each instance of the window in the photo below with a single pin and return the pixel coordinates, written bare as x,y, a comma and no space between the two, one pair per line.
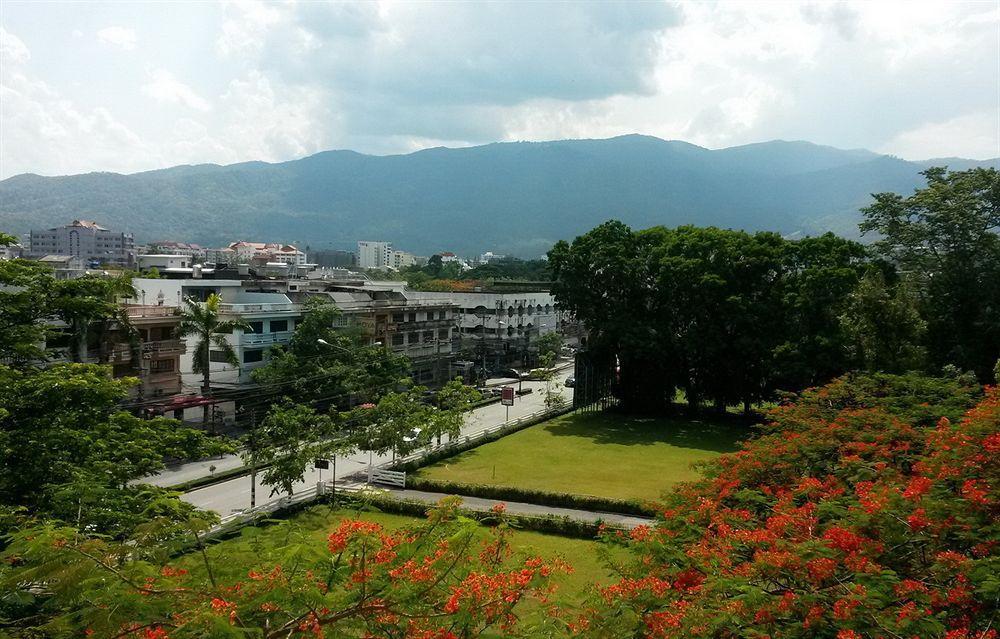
398,339
414,338
398,317
256,327
279,326
443,333
161,366
217,356
251,356
413,317
428,336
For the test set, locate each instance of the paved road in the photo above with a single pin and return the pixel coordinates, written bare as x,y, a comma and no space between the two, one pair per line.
234,495
518,508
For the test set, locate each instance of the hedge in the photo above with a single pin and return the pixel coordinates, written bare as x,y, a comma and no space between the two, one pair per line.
532,496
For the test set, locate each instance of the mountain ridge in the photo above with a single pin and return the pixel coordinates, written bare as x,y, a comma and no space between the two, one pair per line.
514,197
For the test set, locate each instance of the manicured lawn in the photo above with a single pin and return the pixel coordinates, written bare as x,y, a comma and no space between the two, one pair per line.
306,533
602,454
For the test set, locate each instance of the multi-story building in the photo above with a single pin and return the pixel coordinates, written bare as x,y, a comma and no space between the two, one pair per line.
156,356
375,254
247,252
168,247
85,240
402,259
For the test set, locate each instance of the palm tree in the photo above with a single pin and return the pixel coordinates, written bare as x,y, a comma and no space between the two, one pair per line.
202,321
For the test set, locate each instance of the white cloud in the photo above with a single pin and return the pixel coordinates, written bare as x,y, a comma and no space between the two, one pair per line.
975,135
12,49
121,37
164,87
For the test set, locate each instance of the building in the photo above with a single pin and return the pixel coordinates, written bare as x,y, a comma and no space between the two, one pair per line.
375,254
334,258
12,252
249,252
402,259
156,357
164,262
94,244
168,247
64,267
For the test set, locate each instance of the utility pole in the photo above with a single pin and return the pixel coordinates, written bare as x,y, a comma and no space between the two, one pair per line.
253,457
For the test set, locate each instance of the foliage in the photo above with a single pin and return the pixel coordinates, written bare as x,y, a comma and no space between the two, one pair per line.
724,315
287,442
25,304
443,579
66,450
849,518
946,236
530,496
204,323
883,326
327,365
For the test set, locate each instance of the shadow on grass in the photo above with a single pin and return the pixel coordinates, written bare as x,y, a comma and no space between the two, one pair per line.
700,433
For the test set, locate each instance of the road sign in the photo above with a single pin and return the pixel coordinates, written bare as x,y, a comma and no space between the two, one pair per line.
507,395
322,463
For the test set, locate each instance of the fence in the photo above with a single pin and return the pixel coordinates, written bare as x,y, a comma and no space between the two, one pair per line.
322,488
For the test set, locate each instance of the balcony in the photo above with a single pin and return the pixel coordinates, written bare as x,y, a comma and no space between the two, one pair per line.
138,311
266,339
164,347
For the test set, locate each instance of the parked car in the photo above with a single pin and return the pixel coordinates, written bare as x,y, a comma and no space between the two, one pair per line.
510,372
570,382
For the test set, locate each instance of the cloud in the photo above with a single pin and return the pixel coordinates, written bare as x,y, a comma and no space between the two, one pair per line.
120,37
164,87
974,135
12,49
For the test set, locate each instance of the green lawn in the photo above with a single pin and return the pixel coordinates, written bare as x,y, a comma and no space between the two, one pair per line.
307,531
600,454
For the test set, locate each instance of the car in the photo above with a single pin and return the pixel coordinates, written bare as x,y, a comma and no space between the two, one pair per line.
570,382
510,372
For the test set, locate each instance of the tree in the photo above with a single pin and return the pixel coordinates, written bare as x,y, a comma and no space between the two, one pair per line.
883,326
287,442
202,321
850,517
945,238
327,365
61,430
442,579
25,305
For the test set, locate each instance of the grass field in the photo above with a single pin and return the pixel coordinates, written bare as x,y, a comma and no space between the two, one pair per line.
308,531
600,454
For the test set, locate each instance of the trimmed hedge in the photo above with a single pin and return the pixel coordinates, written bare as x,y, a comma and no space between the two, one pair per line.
532,496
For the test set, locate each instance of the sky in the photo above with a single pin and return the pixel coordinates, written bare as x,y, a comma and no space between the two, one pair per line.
133,86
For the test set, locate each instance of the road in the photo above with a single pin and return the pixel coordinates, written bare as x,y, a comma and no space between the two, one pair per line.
234,495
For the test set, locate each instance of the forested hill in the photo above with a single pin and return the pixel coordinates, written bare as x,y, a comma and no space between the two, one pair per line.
510,197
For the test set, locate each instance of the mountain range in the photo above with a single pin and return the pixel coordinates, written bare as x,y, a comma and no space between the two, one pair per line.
515,198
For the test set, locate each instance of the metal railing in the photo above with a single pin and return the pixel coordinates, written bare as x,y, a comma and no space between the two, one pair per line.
282,337
259,308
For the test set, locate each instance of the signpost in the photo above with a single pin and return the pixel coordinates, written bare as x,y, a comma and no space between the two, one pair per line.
507,399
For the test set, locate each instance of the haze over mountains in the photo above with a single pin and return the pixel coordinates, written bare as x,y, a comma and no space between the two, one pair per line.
517,198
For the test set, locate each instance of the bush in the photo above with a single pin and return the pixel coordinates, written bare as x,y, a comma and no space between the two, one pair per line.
854,516
531,496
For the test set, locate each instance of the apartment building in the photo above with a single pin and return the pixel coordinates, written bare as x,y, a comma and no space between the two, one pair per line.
375,254
156,357
85,240
167,247
263,252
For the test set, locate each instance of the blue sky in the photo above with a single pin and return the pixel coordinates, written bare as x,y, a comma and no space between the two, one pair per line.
134,86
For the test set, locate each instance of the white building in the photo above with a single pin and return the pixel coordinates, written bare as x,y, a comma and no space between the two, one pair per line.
375,254
168,247
164,262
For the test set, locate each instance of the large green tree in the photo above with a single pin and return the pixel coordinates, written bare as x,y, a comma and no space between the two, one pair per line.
945,238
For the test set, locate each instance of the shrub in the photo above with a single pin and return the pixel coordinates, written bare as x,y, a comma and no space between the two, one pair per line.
531,496
852,517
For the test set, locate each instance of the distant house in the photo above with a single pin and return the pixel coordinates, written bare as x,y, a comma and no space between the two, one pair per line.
248,252
65,267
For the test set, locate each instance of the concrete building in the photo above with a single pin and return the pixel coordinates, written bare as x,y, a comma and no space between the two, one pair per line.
402,259
156,358
375,254
164,263
64,267
86,240
168,247
248,252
